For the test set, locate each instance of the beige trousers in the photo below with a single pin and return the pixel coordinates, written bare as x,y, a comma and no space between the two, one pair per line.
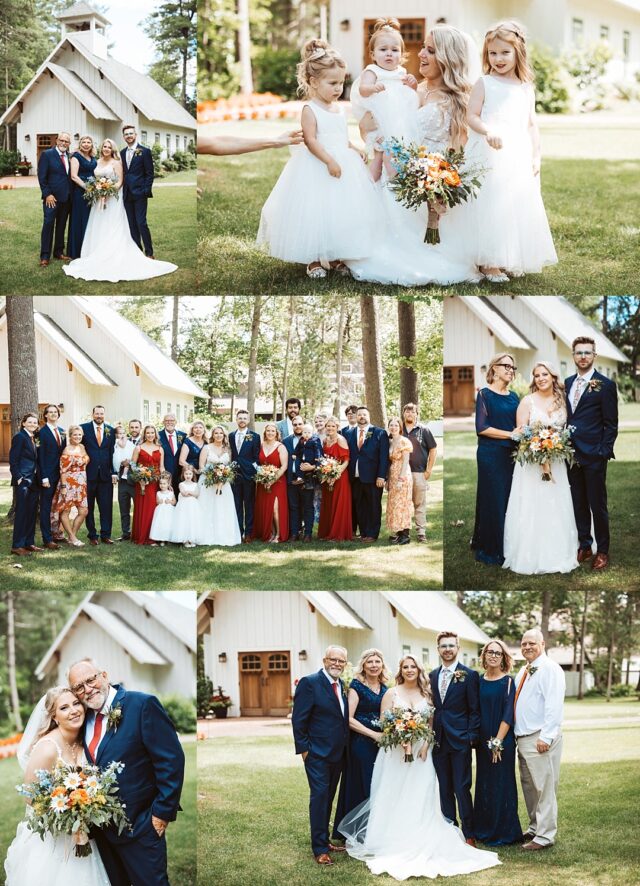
539,776
419,494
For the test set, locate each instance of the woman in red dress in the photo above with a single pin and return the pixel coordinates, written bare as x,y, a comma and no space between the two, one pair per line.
150,455
271,511
335,510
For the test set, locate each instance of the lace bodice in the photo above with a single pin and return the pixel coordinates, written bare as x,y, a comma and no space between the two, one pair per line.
434,124
556,417
214,459
108,171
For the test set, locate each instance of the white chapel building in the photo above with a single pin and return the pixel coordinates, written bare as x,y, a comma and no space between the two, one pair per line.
83,90
88,354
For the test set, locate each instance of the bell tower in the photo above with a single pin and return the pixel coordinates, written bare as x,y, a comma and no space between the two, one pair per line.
86,24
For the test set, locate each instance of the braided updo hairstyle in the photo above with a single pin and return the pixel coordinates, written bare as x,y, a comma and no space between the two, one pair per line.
317,58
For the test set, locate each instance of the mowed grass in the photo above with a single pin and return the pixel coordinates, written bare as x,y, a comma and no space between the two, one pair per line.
593,218
253,815
172,221
462,572
181,835
315,566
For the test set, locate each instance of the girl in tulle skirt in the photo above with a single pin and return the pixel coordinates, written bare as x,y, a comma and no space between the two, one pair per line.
187,516
510,224
323,208
162,523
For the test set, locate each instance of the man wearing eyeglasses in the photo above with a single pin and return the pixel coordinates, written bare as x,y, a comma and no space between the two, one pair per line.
132,728
320,721
592,409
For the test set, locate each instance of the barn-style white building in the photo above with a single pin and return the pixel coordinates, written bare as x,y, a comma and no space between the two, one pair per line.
140,638
531,327
557,24
88,354
258,643
80,88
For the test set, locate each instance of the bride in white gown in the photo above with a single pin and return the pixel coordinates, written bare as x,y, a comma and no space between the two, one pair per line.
400,829
108,251
53,735
540,533
218,521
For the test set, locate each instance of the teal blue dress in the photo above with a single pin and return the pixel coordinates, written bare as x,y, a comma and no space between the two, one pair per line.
80,209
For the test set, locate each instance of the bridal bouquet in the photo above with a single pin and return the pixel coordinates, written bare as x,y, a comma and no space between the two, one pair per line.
540,444
438,179
266,476
73,799
219,474
328,470
143,475
401,726
98,190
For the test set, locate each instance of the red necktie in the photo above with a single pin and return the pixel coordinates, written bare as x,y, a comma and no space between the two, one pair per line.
65,163
335,689
172,444
99,435
97,735
55,431
360,438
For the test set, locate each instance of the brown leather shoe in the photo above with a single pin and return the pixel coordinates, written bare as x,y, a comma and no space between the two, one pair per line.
335,848
21,552
63,257
44,262
94,541
52,546
584,554
34,549
534,847
601,561
107,541
471,841
324,858
367,539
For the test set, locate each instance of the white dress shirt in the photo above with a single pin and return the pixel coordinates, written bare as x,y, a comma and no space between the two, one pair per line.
541,700
130,151
91,720
240,435
332,681
357,473
586,378
120,453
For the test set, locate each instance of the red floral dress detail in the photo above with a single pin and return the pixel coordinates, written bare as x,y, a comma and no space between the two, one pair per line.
335,510
145,505
263,510
75,492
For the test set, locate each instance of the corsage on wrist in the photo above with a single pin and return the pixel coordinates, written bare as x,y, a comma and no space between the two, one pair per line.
496,747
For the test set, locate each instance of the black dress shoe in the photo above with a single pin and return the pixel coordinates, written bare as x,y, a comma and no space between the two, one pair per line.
124,538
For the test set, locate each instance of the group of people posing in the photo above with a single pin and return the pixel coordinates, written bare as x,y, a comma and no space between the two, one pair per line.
68,472
109,238
400,817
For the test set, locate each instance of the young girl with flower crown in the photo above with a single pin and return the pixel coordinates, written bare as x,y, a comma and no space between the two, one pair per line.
323,208
513,236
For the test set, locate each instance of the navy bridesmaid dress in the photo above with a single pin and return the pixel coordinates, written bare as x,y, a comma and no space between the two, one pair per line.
495,472
495,806
355,785
80,209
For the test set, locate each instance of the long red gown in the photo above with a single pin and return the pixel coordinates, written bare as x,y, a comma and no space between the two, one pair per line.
145,505
263,510
335,510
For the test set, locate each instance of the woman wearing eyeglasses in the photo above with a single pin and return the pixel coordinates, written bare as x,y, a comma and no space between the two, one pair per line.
495,805
496,408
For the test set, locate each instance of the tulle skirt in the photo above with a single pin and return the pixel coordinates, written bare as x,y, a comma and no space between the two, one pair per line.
218,518
51,862
162,523
187,520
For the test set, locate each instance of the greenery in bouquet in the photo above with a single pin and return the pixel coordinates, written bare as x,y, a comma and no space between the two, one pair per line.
219,474
266,476
405,726
328,470
143,475
541,444
98,190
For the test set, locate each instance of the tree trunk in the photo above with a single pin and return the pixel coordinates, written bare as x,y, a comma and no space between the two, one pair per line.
612,641
244,48
253,358
11,662
583,632
285,371
339,349
546,614
605,315
460,600
174,327
407,350
372,358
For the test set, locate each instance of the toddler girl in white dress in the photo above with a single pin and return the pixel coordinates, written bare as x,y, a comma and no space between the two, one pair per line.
322,210
186,516
162,523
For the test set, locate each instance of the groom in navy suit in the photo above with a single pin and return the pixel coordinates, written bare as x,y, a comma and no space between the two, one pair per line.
54,167
320,720
132,728
592,409
368,465
456,697
245,451
99,440
137,163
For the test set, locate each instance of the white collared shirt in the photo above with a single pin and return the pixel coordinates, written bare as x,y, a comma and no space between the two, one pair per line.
332,681
366,429
91,720
120,453
240,435
586,379
541,700
172,435
95,429
450,668
130,151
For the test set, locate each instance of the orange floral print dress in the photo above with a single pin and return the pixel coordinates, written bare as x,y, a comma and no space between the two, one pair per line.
75,493
399,500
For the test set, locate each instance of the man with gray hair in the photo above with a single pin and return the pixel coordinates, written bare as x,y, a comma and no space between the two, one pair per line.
538,707
54,168
320,720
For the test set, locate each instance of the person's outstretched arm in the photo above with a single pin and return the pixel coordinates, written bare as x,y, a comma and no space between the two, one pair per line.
222,145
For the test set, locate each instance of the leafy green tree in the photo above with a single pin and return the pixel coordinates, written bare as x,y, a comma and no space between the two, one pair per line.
172,27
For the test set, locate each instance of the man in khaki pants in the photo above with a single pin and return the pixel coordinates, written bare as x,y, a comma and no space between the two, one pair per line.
540,688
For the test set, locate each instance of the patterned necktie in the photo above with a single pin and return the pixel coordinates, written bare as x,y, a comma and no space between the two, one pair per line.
99,435
97,735
444,683
55,431
360,438
577,392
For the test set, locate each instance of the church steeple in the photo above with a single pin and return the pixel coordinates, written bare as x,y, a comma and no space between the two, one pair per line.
85,23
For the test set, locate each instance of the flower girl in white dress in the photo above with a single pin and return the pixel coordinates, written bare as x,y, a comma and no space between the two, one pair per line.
511,228
322,210
186,516
162,523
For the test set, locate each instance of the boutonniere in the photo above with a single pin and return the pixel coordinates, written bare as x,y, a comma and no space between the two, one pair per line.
114,718
107,432
248,438
594,384
36,441
531,671
137,152
368,436
459,676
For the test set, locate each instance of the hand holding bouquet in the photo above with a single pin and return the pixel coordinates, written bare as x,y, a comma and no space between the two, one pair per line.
328,470
266,476
541,444
98,190
143,475
217,475
401,727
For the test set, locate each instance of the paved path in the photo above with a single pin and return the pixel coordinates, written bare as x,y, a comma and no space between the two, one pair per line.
31,181
245,727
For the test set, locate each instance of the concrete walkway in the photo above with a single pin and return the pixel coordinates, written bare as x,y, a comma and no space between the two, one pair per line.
245,727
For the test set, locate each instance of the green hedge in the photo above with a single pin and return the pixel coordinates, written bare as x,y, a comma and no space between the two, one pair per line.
8,160
181,711
274,70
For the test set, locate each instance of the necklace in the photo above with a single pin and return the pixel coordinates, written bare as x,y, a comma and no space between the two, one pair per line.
72,748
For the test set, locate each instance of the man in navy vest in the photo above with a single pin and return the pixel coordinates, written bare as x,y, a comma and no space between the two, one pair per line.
320,720
99,440
134,729
55,185
368,466
245,451
52,441
137,163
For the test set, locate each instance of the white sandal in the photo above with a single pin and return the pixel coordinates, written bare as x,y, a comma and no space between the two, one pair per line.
317,273
341,269
496,278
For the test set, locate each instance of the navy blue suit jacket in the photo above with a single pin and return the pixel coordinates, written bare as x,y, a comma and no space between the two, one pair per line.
49,454
52,176
171,461
595,420
100,466
319,726
249,453
459,717
373,458
146,742
23,460
138,178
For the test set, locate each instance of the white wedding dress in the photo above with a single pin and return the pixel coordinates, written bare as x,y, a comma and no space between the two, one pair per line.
218,518
52,861
540,534
108,252
400,829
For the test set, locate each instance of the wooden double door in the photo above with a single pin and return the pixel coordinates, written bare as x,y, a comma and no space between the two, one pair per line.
265,683
413,32
459,392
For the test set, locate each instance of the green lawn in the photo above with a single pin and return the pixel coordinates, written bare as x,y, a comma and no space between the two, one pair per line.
463,572
172,220
593,219
317,566
181,835
253,815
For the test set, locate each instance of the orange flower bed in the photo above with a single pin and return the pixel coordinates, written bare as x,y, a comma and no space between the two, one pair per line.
13,739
